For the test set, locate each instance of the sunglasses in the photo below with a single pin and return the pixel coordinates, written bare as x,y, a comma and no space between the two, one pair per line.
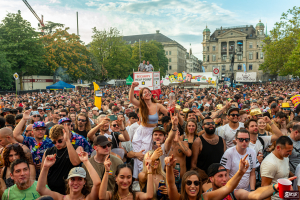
115,125
27,130
67,123
233,115
243,139
62,115
196,183
72,110
210,123
12,145
35,116
81,120
108,145
286,108
59,141
56,112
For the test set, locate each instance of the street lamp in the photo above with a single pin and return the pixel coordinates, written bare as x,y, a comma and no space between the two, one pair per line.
232,64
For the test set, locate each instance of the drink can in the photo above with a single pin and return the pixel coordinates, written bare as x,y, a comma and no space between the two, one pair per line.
37,160
177,177
161,183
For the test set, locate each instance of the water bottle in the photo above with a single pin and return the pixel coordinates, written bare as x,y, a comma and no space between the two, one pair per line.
171,107
177,177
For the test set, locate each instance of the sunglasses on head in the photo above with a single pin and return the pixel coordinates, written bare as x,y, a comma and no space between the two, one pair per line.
233,115
243,139
115,125
81,120
108,145
12,145
196,183
59,141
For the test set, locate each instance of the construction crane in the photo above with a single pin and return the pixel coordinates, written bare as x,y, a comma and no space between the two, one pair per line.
41,21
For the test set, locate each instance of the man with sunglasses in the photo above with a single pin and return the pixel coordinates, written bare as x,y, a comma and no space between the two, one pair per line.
63,113
103,147
228,131
74,137
55,118
66,157
207,143
231,157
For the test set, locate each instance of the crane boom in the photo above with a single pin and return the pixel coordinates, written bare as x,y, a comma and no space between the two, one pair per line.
34,13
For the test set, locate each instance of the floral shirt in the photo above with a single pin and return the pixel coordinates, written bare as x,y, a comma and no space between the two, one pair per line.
81,141
37,150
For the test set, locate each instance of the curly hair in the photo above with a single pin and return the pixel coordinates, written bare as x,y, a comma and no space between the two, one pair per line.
17,148
56,131
85,190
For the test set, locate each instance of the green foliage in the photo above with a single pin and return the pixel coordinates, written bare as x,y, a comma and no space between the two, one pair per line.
281,49
21,45
50,27
6,75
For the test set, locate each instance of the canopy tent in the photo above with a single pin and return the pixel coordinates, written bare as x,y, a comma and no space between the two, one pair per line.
129,80
103,83
60,85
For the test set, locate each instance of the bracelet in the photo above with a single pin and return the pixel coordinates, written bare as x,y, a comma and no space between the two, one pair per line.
106,171
123,130
149,173
274,188
271,123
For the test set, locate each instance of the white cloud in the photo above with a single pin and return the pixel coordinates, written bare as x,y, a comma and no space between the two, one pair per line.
55,1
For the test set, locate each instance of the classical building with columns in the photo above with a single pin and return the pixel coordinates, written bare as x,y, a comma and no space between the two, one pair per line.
244,42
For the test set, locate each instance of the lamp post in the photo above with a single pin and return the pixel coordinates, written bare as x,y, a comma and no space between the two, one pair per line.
232,64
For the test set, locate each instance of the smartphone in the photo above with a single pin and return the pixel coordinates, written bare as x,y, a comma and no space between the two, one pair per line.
113,117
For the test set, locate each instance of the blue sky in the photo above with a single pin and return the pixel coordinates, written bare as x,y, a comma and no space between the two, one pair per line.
181,20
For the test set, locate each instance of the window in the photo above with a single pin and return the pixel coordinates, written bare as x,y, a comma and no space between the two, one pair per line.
250,45
261,55
246,29
250,56
250,35
224,58
214,48
239,67
207,48
241,29
169,52
240,57
166,52
170,67
250,66
213,57
231,33
257,55
207,58
223,67
170,60
204,58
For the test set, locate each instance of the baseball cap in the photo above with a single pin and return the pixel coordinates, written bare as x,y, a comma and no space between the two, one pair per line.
77,172
40,108
161,129
64,119
35,113
5,110
95,108
207,105
232,109
130,105
101,140
38,124
213,169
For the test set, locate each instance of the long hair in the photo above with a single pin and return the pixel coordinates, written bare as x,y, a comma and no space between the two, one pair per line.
183,194
115,195
159,169
87,125
186,127
85,190
17,148
144,111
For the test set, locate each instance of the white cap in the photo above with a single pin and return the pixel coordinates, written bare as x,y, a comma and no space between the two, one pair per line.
207,105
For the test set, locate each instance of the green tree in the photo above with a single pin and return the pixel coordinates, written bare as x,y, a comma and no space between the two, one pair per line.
21,45
112,53
153,52
50,27
6,75
280,51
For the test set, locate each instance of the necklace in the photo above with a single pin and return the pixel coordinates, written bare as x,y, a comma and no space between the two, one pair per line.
124,197
62,154
82,197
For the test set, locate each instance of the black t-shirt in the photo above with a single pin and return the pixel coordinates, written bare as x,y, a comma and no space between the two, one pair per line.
82,133
58,173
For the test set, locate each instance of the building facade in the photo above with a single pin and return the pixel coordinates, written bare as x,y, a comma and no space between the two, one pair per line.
244,42
193,64
174,51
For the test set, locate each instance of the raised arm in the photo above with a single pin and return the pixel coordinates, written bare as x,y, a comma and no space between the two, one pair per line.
276,132
71,151
231,184
170,138
162,109
18,130
132,99
124,137
103,193
91,134
42,181
184,146
172,189
222,110
149,194
84,157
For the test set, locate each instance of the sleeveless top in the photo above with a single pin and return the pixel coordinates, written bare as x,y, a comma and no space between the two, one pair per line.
189,159
153,119
210,153
8,182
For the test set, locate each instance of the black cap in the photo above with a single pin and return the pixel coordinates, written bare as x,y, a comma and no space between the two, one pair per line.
5,110
214,169
101,140
232,109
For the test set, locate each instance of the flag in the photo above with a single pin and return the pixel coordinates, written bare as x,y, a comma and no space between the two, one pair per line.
244,66
203,69
98,100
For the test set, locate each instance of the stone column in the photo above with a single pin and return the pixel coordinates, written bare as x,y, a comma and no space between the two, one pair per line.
220,50
227,49
244,48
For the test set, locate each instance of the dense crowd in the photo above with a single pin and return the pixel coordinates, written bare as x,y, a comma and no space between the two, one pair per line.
234,143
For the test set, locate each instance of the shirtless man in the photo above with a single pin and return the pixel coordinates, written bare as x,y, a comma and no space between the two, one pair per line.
180,149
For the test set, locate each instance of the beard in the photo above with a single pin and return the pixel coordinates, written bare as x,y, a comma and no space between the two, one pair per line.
210,131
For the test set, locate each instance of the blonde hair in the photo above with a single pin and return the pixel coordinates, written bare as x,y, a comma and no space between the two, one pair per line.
144,111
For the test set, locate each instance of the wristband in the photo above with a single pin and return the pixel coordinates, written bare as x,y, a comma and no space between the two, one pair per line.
274,188
149,173
123,130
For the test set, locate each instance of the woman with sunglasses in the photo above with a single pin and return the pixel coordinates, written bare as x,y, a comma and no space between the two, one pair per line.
13,152
66,157
149,109
158,174
35,117
76,186
123,185
191,185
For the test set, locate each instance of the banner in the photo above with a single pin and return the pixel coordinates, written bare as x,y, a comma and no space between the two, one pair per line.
145,79
246,77
203,69
97,100
244,66
156,80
